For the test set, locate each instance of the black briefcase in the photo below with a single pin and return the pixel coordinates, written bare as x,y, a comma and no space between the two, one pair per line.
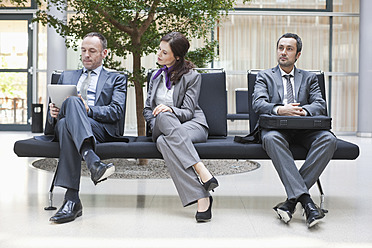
295,122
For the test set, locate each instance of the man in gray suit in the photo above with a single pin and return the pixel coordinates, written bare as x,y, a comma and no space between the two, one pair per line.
287,90
92,117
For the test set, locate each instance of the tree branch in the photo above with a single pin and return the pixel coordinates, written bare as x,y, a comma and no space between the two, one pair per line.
150,18
114,22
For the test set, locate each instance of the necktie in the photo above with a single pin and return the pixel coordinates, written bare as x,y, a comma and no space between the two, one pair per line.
290,97
84,86
167,70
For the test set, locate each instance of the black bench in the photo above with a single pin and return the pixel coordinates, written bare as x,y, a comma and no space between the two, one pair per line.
213,101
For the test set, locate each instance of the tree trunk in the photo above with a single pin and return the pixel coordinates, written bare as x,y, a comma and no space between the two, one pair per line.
141,131
139,94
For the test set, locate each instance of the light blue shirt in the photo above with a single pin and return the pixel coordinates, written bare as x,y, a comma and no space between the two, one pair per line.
91,92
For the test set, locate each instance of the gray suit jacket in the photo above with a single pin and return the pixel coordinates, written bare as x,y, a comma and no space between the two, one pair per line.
269,92
185,99
109,105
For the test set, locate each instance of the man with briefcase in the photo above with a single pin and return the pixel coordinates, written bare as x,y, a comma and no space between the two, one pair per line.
288,91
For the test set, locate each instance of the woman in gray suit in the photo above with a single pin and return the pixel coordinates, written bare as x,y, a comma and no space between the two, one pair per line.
176,122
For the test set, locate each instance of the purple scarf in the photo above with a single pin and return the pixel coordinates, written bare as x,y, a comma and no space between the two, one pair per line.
167,70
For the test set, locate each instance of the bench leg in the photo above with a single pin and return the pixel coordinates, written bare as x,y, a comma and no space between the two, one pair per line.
321,196
50,194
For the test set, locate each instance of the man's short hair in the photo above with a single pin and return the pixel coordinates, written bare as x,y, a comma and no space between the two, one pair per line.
100,37
294,36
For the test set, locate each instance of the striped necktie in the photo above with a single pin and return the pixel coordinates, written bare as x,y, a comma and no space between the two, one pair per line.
290,97
85,85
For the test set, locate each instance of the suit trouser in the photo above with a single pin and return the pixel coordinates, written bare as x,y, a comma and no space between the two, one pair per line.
175,142
73,127
320,145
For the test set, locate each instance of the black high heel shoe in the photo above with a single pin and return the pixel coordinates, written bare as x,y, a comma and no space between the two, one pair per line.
207,215
211,184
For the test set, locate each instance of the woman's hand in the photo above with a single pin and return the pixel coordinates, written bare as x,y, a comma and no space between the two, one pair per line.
161,108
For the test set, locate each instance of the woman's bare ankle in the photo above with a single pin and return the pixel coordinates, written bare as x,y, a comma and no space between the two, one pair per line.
203,204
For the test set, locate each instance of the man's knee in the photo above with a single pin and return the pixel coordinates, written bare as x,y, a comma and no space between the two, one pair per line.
330,140
72,100
271,136
61,123
272,139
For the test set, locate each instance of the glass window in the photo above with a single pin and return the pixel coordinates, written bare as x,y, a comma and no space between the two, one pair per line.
8,4
13,75
283,4
349,6
13,97
249,42
13,55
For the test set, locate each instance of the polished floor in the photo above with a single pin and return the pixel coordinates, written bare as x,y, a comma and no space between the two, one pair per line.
148,213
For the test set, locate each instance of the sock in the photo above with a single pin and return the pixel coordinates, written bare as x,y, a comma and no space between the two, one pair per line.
90,157
88,154
304,199
72,195
86,146
291,203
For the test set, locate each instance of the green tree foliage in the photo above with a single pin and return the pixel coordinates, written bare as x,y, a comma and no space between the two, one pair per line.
135,27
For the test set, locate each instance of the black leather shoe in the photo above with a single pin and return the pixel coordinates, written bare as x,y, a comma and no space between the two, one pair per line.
211,184
313,214
68,212
100,171
206,215
285,210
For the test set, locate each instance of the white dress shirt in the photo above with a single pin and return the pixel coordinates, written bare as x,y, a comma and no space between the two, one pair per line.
163,95
284,81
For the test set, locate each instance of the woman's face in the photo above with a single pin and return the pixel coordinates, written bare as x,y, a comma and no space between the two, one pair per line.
165,54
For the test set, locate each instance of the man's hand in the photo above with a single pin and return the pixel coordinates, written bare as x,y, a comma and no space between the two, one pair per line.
54,111
291,109
161,108
85,103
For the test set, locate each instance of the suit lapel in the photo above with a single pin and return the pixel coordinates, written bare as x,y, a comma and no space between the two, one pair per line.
76,76
103,76
155,85
176,92
297,81
279,82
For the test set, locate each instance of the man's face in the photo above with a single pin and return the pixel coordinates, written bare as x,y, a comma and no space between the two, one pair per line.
286,52
92,53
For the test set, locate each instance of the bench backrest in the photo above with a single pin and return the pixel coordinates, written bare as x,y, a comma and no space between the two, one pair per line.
212,100
54,80
253,116
241,101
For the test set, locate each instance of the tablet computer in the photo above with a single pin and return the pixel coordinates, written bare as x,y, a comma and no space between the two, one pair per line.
59,92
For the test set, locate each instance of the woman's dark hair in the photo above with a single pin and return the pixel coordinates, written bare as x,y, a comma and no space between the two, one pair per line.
179,46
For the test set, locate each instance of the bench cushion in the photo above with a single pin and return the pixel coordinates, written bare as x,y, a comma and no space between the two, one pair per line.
143,147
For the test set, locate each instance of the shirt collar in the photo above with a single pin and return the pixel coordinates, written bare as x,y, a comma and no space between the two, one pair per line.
97,71
283,73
